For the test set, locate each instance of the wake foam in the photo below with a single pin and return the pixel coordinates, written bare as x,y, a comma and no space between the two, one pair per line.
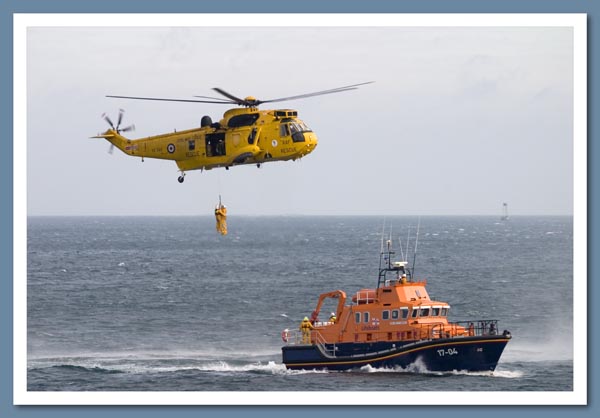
222,367
143,366
508,374
419,367
80,369
416,367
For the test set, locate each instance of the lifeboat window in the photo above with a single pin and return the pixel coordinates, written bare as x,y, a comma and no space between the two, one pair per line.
404,313
395,314
444,311
418,293
365,316
357,317
424,312
385,315
415,312
435,312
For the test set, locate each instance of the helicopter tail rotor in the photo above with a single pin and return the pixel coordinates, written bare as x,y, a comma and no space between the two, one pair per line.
118,128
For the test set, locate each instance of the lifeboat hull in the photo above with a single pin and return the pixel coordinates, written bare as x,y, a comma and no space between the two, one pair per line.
473,354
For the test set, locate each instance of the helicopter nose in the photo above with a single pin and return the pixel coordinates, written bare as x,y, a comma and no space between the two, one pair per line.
310,140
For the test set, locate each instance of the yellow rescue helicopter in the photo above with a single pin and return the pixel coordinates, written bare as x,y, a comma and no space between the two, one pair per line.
245,135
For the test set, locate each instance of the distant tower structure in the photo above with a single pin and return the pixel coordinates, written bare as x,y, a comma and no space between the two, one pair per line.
504,216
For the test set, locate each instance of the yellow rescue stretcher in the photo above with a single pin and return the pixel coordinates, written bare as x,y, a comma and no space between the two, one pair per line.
221,218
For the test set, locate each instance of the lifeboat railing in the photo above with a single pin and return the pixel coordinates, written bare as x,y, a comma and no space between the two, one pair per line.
419,332
365,296
433,331
293,337
480,327
296,338
474,328
318,340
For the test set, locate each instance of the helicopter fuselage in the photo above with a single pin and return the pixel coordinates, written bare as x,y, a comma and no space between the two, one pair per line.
244,136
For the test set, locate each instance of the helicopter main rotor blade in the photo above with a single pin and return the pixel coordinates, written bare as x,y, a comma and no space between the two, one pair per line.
231,96
317,93
172,100
236,100
214,98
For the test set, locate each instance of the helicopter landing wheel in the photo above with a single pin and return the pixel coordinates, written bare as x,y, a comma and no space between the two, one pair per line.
181,178
257,165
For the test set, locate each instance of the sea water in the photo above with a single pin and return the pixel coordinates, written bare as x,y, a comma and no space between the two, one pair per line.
167,304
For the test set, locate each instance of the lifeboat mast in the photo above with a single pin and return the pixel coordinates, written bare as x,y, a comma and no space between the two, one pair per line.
386,265
401,269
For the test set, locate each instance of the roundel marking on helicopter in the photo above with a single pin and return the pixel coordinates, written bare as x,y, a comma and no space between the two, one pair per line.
171,148
274,143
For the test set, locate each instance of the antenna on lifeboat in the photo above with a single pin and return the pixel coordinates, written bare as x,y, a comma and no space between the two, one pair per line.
382,255
382,234
407,243
416,244
401,251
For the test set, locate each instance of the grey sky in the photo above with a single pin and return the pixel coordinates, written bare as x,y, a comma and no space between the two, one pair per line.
458,121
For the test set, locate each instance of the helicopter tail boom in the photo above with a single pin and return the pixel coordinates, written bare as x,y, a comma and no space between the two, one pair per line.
105,136
118,141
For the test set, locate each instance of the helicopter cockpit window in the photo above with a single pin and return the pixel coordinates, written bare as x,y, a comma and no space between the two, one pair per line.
304,127
296,129
284,130
242,120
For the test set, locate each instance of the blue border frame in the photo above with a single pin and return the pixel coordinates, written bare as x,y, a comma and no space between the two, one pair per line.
8,7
